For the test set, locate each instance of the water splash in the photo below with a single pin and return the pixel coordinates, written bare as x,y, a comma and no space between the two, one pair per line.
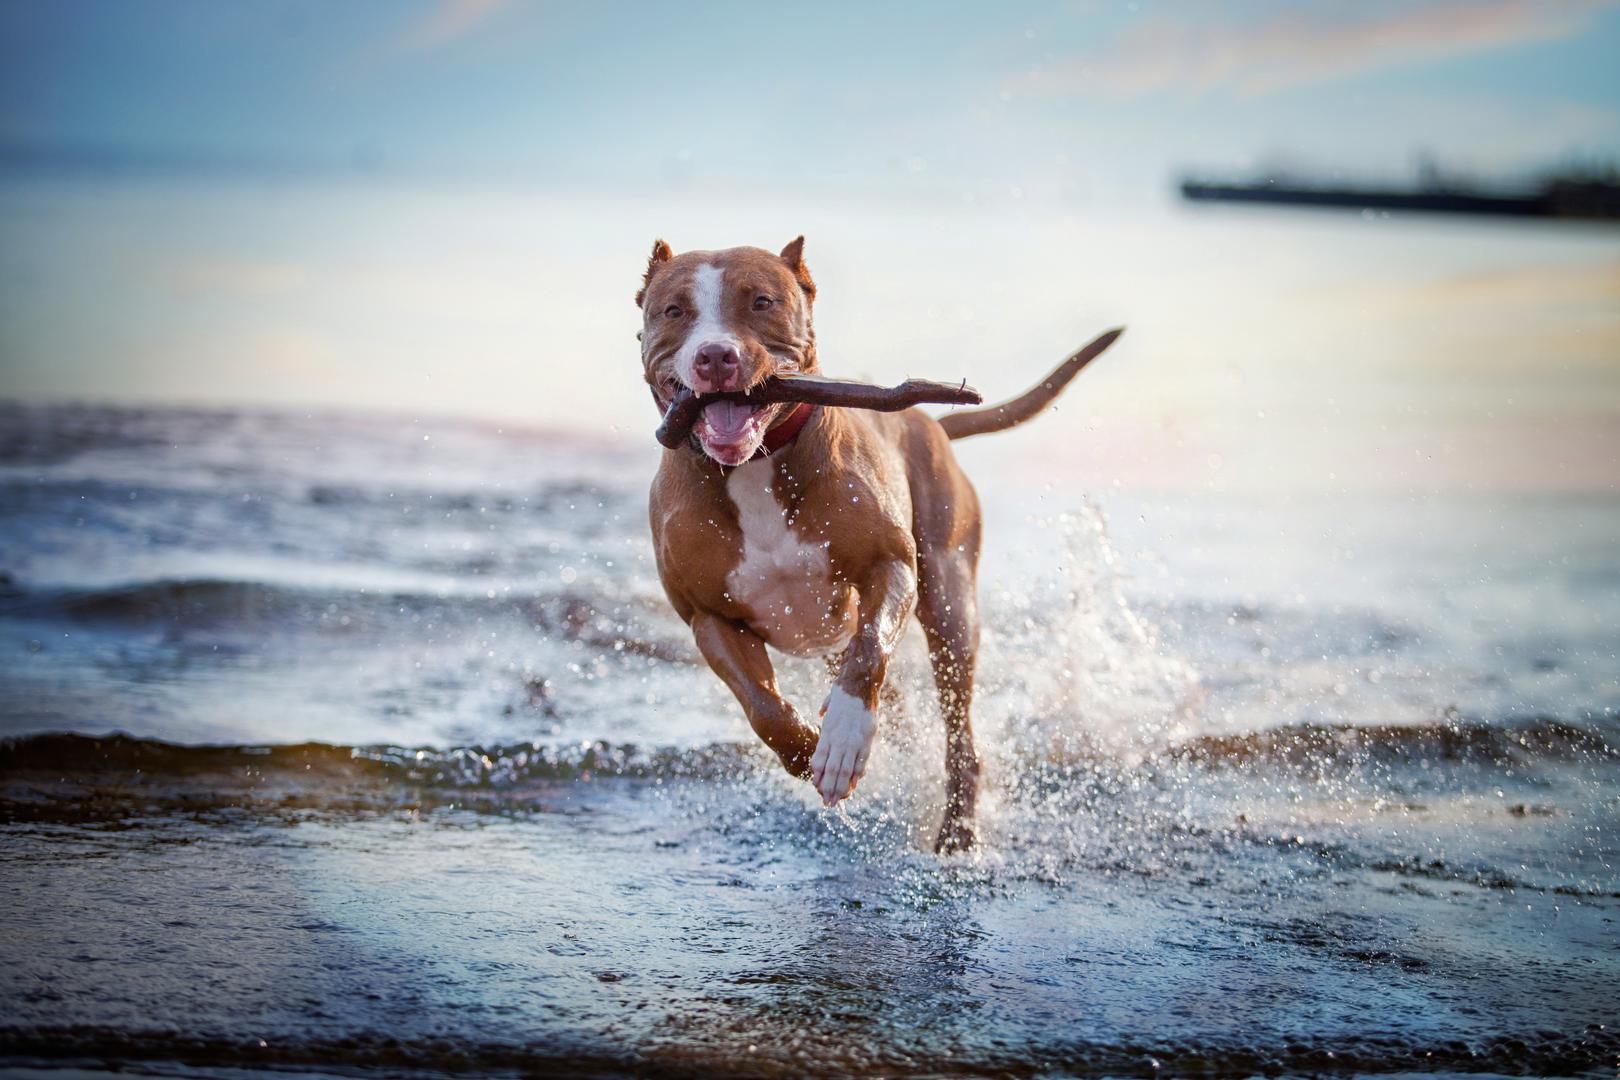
1076,689
1071,668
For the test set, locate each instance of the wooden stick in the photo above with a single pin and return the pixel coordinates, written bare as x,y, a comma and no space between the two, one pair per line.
686,406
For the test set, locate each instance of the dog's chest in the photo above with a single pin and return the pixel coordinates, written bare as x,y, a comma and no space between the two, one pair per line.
783,579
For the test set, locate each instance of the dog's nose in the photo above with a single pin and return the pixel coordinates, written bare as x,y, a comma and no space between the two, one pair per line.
716,367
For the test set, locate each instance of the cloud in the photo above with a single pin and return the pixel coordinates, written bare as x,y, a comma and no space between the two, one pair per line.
447,21
1294,46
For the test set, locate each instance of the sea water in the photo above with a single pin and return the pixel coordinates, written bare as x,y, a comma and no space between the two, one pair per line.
370,744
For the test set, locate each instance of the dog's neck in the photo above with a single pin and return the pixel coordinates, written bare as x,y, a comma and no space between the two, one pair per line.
785,430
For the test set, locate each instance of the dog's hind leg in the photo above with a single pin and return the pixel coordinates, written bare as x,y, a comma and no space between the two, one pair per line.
948,610
738,656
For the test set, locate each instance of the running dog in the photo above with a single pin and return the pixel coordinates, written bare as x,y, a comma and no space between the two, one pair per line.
816,530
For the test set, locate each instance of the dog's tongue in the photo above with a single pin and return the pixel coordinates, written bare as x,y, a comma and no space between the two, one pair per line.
727,419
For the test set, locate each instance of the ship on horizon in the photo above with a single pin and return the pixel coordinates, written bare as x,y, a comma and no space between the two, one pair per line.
1570,196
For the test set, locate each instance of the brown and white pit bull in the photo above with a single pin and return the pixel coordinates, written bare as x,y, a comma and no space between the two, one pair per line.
814,530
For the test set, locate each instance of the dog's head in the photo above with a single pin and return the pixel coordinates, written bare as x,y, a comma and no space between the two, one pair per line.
726,320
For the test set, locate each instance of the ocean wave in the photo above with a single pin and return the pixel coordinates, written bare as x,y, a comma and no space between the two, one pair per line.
503,766
379,1053
1479,876
181,603
455,768
543,500
172,600
120,780
1504,742
41,435
1046,823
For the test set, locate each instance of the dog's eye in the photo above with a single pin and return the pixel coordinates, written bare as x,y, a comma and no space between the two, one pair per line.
763,303
673,312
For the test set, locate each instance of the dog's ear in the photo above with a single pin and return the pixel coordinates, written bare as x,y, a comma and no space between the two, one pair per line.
793,255
661,254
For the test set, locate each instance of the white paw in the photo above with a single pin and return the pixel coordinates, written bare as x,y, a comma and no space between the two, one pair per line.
845,742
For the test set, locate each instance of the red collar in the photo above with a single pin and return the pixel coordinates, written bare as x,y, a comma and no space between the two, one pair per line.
779,435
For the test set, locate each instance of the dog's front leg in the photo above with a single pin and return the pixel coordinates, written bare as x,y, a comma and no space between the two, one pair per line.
738,656
849,716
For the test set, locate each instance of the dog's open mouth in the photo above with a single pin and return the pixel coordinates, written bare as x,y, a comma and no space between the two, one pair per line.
732,430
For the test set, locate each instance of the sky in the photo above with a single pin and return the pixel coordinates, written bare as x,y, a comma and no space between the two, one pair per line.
444,207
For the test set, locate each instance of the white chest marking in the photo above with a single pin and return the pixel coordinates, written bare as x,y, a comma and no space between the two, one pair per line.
708,321
783,580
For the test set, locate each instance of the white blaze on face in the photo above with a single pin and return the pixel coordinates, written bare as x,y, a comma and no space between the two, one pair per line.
708,321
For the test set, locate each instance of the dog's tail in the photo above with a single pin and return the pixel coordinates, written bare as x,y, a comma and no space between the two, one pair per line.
959,425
